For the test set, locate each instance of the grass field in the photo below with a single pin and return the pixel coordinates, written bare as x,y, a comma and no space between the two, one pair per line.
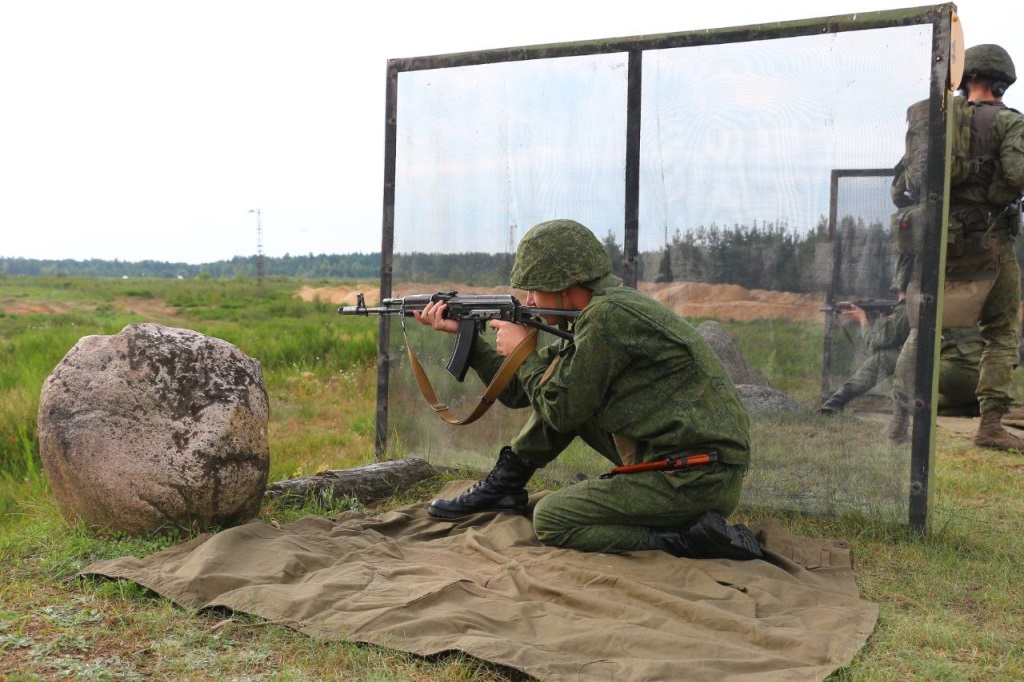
951,602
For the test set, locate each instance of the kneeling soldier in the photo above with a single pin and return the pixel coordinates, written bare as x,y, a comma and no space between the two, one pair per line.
640,386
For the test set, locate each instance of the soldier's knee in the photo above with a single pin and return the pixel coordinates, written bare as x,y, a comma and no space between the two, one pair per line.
548,522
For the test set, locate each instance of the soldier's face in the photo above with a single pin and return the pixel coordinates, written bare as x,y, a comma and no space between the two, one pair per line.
544,299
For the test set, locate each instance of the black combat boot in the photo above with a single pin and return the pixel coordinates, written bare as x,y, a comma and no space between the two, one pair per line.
706,537
504,490
837,401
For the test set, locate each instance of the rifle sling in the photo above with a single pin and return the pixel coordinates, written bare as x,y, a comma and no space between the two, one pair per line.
498,382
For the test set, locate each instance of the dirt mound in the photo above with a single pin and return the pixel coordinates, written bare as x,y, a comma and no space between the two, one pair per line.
729,302
340,295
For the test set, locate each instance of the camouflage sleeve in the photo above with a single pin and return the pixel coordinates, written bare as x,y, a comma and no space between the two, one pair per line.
902,272
1011,153
891,333
486,361
578,387
898,190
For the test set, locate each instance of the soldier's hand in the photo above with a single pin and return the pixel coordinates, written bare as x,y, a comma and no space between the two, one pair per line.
433,315
509,335
854,312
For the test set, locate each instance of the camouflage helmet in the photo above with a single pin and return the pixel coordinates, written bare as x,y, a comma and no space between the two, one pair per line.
991,61
558,254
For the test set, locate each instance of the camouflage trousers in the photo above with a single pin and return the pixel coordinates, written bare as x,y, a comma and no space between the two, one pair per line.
874,371
1000,332
958,371
958,368
615,514
1000,339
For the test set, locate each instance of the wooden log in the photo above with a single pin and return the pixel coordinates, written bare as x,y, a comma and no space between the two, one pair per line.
365,483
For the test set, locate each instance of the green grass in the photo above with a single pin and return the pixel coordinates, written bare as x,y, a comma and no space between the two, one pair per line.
950,602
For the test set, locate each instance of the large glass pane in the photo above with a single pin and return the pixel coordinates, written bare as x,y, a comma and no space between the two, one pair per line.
484,153
740,145
764,201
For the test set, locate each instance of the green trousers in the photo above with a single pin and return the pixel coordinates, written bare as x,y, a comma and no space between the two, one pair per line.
999,330
876,369
615,514
999,335
959,361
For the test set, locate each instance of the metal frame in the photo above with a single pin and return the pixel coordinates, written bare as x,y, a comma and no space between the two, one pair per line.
939,16
830,294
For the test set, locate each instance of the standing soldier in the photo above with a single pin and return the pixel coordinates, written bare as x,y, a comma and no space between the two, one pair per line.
987,204
982,274
640,386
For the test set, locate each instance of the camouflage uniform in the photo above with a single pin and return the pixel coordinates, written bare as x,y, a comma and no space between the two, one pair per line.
982,224
637,383
639,371
980,207
959,361
883,340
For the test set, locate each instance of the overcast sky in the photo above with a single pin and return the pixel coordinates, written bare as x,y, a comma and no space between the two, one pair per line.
148,130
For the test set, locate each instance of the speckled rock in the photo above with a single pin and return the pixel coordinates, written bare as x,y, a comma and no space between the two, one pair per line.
766,400
720,341
155,428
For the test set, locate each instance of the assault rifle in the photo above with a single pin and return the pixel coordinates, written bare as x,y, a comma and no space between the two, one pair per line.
870,306
472,312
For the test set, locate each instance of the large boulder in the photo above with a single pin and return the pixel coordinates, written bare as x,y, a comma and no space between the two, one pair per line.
156,428
765,400
756,393
720,341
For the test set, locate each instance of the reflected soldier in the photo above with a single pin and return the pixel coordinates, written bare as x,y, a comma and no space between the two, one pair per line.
958,362
883,339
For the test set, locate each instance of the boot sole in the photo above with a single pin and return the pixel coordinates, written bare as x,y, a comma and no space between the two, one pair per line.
442,514
992,445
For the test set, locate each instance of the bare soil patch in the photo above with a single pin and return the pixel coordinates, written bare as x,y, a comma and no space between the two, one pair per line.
29,308
149,308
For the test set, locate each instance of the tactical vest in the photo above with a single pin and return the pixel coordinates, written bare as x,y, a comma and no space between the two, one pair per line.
970,161
971,165
972,240
977,166
977,227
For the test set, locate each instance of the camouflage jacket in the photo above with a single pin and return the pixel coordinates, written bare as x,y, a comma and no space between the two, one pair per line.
640,371
889,333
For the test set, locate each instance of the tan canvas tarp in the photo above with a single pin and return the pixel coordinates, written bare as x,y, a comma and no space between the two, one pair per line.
486,587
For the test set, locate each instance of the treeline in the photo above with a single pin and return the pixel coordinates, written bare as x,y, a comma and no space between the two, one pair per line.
760,256
771,256
343,266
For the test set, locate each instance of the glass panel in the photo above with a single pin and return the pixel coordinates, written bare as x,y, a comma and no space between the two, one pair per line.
764,197
739,148
484,153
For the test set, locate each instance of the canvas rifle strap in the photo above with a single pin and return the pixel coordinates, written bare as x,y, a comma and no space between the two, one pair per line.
498,383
